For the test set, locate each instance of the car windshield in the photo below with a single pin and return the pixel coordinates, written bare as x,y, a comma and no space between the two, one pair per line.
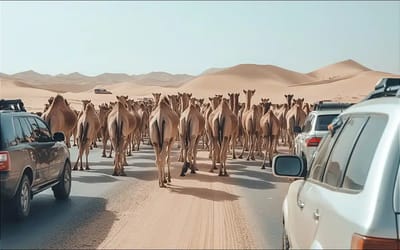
323,121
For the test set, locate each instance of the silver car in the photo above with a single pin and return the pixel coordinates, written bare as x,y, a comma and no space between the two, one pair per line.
350,197
315,128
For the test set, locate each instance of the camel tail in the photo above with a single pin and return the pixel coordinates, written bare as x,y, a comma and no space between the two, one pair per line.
118,132
160,133
187,134
221,125
83,136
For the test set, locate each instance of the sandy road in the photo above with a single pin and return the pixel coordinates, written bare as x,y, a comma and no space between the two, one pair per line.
196,211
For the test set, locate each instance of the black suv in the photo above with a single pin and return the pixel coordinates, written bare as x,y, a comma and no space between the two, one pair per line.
31,158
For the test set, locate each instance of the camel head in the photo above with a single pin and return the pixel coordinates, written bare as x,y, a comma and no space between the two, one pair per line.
264,100
156,97
46,107
50,100
85,103
89,106
266,106
299,101
123,100
58,100
289,98
249,92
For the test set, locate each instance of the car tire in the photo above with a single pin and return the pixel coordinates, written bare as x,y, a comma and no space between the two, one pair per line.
22,198
285,240
63,188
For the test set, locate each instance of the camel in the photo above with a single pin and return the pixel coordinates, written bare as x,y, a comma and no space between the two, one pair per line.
156,99
191,127
184,100
163,126
250,123
289,98
174,100
144,117
235,106
103,115
135,135
269,124
294,117
120,123
60,118
223,124
307,108
214,102
88,126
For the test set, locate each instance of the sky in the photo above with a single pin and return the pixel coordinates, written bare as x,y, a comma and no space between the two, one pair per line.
190,37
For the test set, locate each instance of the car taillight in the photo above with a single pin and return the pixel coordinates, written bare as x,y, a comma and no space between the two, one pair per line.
313,141
4,161
364,242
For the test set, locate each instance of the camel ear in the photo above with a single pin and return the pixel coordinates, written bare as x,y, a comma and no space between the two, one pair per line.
302,99
286,96
244,91
210,98
179,93
254,91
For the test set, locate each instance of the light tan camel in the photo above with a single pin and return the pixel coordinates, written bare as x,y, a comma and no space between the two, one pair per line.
135,135
163,127
156,97
88,126
60,118
294,117
184,100
144,117
235,106
223,124
214,102
191,127
307,108
251,124
280,112
120,123
103,115
174,100
269,132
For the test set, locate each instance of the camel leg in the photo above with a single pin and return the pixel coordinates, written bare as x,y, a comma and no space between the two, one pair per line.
244,146
266,151
169,160
80,156
185,157
181,157
273,142
234,138
225,146
213,165
129,145
87,162
104,146
158,163
195,153
77,161
163,157
250,141
111,149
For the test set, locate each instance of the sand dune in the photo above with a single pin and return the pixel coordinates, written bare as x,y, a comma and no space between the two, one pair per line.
342,81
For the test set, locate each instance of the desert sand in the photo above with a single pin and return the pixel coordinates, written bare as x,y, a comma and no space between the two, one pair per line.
346,81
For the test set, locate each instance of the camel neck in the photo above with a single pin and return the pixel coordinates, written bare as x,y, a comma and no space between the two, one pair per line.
248,102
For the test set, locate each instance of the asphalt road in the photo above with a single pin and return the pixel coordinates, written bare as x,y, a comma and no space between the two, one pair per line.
52,223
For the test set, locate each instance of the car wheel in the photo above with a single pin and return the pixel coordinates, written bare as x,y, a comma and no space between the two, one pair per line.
285,240
63,188
22,199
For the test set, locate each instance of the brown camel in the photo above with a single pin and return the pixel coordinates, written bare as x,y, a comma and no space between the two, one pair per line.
103,115
88,126
289,98
214,102
235,106
184,100
120,123
294,117
60,118
269,131
251,124
174,100
156,99
191,126
163,127
223,124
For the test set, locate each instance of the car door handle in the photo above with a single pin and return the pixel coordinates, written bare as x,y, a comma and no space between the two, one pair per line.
300,204
316,215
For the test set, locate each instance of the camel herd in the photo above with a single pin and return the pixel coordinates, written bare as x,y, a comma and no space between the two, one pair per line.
220,124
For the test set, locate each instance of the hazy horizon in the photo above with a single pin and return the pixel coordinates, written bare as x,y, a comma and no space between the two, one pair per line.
93,38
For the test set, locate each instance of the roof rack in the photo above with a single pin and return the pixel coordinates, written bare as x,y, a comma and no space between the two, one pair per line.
14,105
328,105
385,87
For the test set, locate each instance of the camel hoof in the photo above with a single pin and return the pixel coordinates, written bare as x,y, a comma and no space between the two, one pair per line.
87,168
165,181
211,170
104,156
226,174
263,166
115,173
240,157
109,156
253,158
182,174
123,174
220,174
234,157
169,179
80,169
192,171
75,168
215,168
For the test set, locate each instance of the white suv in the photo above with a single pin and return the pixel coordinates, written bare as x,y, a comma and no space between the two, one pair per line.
350,198
315,128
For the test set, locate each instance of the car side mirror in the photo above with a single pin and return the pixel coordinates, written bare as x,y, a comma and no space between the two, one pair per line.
288,166
59,136
297,130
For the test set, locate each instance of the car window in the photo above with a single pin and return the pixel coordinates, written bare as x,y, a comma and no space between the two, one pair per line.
321,155
342,150
308,124
41,131
323,121
363,153
26,129
18,135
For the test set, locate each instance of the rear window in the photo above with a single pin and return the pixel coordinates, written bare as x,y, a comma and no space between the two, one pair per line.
323,121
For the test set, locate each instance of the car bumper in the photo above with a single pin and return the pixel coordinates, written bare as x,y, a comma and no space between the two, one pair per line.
7,188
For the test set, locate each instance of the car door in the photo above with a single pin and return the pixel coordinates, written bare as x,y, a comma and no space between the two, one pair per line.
300,139
39,168
56,150
304,217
